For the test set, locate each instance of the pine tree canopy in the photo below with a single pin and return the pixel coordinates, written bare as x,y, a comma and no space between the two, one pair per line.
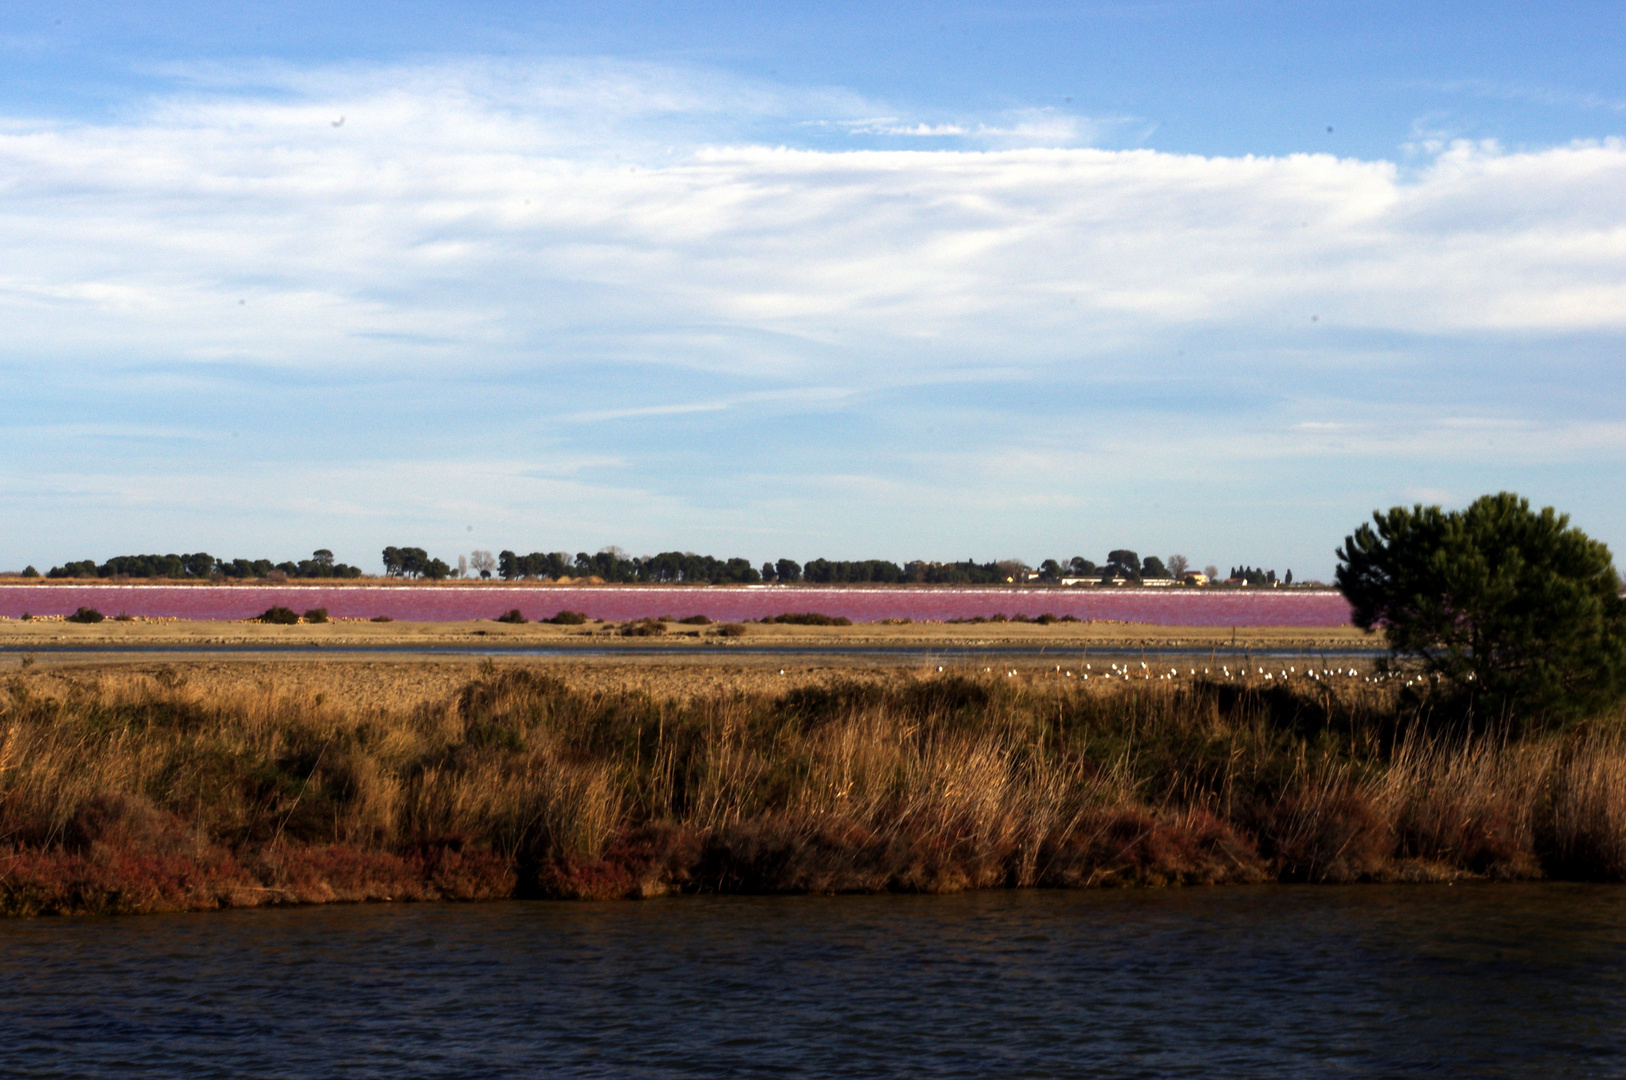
1515,609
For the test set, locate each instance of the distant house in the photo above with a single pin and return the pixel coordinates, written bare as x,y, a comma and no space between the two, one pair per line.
1194,577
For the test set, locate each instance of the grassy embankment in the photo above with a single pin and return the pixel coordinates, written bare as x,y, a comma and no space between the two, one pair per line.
170,789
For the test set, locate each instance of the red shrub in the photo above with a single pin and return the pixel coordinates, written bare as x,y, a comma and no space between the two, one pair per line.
1132,847
1327,836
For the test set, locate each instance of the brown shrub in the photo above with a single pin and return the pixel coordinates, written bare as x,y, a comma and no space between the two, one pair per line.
641,862
805,855
1328,832
1582,832
110,881
1465,804
1133,847
127,823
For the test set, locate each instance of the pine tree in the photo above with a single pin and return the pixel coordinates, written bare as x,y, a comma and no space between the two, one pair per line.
1516,610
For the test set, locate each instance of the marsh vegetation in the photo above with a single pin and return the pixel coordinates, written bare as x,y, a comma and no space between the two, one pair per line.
124,791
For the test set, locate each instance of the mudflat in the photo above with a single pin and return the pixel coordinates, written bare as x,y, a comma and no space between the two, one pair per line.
47,633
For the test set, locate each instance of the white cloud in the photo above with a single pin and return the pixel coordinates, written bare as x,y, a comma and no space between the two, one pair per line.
568,229
485,211
919,129
1022,127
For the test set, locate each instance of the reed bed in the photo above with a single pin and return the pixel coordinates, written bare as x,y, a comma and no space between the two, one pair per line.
125,792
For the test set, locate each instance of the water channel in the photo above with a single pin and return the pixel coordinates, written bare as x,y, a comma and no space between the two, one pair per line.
1274,981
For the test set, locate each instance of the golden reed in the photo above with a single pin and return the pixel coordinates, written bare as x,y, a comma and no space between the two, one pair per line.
127,792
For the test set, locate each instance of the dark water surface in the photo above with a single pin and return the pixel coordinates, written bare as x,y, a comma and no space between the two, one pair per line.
1516,981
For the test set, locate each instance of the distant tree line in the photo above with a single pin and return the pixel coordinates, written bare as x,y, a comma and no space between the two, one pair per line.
675,567
842,572
613,564
670,567
413,562
203,566
1121,565
1252,575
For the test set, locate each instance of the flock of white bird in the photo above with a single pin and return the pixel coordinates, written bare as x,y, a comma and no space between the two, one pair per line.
1145,672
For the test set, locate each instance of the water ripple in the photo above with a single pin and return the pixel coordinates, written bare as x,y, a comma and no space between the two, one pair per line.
1275,981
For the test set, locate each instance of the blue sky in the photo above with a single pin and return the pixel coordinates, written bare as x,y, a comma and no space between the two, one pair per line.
848,280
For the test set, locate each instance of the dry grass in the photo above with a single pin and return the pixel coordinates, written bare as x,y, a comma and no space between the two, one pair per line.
123,791
47,633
